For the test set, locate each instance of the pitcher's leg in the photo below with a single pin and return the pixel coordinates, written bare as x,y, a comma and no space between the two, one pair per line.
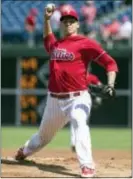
32,145
72,137
82,138
51,122
79,113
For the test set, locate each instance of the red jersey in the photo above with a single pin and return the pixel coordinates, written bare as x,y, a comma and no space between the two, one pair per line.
30,20
69,59
92,79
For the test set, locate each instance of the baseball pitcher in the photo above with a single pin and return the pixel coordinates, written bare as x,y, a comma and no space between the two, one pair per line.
68,98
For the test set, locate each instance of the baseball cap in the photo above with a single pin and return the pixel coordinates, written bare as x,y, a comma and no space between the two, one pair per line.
69,12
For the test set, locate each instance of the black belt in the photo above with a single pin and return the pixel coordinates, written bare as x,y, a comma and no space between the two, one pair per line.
64,96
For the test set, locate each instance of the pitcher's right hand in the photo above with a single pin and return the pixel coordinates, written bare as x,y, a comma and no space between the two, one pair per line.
49,10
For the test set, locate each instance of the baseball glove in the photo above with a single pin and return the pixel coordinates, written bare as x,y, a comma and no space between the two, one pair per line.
103,91
108,92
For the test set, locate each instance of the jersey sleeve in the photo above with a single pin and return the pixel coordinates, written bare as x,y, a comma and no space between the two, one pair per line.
49,42
96,53
92,79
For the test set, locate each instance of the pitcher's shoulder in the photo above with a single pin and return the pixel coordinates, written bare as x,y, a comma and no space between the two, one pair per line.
89,42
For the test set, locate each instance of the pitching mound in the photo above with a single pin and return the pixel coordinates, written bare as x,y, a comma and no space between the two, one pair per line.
63,163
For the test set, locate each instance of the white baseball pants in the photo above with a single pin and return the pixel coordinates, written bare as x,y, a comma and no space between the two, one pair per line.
57,113
72,135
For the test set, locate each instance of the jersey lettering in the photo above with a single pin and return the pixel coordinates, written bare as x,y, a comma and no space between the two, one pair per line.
62,54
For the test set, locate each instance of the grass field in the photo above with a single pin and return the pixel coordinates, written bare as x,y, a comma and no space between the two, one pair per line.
102,138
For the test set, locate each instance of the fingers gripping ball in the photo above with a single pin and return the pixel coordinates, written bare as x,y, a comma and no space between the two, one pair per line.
50,7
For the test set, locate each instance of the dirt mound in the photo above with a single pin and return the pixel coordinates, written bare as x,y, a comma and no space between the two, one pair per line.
63,163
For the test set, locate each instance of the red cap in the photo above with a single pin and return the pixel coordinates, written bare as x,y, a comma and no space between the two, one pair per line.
69,12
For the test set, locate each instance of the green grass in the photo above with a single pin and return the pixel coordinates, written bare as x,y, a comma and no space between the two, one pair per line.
102,138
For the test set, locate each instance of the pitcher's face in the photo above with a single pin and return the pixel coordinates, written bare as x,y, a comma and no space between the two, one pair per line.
69,25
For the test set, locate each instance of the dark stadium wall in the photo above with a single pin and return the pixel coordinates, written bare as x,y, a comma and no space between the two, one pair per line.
128,2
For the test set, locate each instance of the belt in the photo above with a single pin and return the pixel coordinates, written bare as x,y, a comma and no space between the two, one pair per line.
65,96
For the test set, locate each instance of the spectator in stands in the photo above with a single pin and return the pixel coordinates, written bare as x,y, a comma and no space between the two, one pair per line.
125,31
88,10
104,30
64,6
109,31
114,28
91,32
30,26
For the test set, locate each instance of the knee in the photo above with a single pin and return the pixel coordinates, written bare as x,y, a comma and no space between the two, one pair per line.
79,119
80,113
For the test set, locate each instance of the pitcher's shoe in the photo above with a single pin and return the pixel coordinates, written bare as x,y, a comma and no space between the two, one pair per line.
87,172
20,154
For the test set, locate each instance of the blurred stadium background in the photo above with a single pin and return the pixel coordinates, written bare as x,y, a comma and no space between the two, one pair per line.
24,72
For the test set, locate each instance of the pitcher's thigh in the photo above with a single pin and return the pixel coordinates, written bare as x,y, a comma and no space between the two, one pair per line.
51,122
80,112
79,116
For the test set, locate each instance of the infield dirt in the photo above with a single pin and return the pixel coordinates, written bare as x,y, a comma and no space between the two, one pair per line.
63,163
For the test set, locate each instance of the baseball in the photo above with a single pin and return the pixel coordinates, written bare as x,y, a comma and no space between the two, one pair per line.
50,7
